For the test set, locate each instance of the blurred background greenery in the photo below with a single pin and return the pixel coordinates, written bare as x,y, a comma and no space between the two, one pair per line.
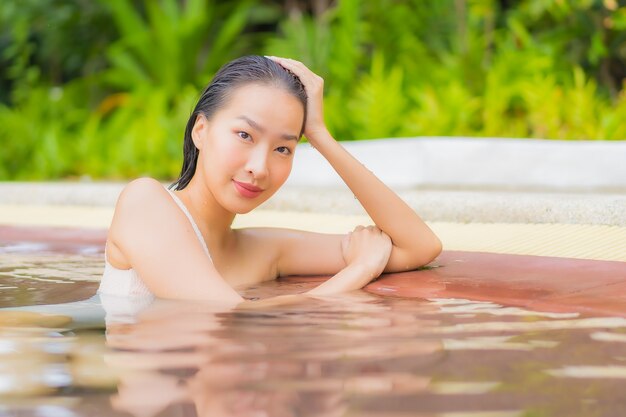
103,88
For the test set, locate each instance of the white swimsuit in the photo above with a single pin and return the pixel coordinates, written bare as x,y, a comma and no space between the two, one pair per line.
126,282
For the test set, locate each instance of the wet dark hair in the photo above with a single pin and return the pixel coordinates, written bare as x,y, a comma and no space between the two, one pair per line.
251,69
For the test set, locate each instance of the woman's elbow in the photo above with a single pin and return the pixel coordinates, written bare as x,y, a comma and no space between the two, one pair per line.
430,251
437,247
415,257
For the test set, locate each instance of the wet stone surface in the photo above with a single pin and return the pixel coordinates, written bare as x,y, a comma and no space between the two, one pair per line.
358,354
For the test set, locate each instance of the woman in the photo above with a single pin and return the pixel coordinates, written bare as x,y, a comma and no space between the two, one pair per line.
238,150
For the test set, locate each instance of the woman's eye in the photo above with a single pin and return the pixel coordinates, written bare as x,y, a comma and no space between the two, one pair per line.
284,150
243,135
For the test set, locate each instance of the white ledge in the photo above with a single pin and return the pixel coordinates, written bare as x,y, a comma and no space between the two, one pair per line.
477,163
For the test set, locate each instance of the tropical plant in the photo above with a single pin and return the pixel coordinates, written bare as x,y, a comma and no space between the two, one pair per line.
103,88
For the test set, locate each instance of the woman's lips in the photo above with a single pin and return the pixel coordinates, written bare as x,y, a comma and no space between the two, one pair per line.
247,190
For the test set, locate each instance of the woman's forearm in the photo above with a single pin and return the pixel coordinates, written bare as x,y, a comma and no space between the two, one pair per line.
388,211
352,277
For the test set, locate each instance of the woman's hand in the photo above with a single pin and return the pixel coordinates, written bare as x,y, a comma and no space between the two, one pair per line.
314,86
366,251
368,246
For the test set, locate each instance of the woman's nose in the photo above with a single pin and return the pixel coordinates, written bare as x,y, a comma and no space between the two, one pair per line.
257,163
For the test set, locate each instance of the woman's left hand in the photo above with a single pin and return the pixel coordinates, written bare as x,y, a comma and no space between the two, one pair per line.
314,86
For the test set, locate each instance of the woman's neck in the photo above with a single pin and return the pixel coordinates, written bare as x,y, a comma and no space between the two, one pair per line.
213,220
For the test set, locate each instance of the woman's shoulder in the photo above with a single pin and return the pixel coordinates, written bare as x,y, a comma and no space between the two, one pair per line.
144,198
140,200
143,188
141,193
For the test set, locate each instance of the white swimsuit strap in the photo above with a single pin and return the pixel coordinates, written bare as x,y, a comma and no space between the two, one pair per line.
193,223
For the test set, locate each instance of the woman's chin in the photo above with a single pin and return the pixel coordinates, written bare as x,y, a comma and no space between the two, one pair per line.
244,210
243,205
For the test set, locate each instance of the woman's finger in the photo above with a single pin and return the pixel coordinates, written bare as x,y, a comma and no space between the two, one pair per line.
314,88
287,61
297,67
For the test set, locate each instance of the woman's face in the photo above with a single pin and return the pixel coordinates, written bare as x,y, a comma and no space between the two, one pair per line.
247,147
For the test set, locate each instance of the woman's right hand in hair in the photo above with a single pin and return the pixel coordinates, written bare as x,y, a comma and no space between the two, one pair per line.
314,87
367,246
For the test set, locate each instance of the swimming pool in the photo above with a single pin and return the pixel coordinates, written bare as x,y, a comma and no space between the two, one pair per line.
397,349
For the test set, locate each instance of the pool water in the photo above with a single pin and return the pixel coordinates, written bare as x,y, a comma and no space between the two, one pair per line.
358,354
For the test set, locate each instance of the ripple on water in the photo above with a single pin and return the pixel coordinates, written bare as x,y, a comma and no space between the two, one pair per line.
352,355
49,277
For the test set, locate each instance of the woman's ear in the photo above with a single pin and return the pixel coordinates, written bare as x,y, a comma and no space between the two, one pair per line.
198,133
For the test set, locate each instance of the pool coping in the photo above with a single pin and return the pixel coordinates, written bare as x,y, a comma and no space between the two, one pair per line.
477,164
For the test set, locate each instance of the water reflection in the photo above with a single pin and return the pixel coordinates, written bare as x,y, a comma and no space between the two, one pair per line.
352,355
293,361
357,354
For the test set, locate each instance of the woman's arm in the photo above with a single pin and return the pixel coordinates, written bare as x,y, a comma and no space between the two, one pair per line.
414,243
157,240
365,252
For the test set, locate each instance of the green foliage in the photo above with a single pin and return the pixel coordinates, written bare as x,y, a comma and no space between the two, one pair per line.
49,42
104,88
191,40
160,57
38,133
372,110
165,53
140,132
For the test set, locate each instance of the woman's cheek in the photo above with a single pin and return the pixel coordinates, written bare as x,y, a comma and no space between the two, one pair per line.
283,171
229,153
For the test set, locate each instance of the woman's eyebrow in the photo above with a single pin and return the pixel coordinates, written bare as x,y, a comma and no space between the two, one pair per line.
255,125
252,123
